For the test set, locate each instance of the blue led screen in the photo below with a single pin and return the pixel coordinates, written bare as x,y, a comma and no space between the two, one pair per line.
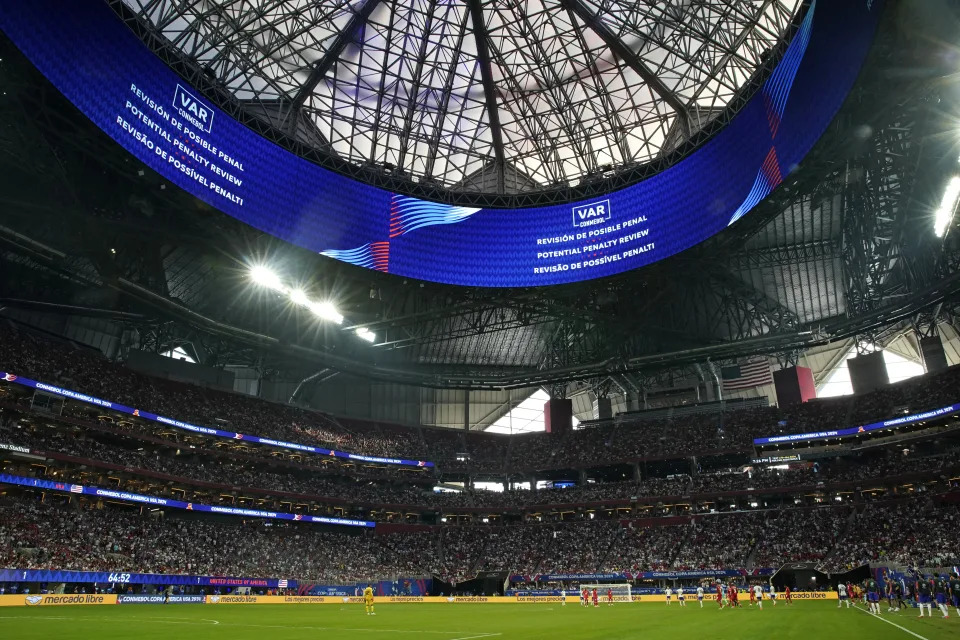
116,81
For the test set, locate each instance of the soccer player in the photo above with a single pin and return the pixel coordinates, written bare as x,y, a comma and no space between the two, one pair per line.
923,597
584,597
753,596
609,597
734,597
596,599
786,595
873,596
720,595
773,594
680,597
842,595
368,600
563,597
669,593
898,594
758,591
940,588
700,595
955,591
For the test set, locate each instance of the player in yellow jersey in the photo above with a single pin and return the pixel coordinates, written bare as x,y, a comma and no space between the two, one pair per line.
368,600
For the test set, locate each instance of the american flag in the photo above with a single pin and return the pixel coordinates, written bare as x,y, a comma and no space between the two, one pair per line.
76,488
747,374
281,584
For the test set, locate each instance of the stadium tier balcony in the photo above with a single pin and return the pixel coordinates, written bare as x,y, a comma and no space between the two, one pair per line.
81,534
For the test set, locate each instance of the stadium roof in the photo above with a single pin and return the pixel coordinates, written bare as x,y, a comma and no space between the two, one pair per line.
477,95
843,252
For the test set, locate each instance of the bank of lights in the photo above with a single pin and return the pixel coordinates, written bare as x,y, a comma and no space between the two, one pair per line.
944,216
264,277
366,334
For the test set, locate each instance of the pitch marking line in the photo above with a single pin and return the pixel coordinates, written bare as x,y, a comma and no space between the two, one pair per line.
259,626
904,629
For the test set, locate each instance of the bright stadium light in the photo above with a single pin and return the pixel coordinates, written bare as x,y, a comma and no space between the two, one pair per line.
366,334
299,296
264,277
947,207
326,311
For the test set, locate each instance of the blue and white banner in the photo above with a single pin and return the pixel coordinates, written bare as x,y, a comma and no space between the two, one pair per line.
141,598
643,575
104,577
207,431
159,598
157,501
852,431
182,599
550,577
682,575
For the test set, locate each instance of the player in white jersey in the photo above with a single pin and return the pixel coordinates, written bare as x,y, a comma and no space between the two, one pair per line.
773,594
669,593
680,597
700,595
563,597
842,595
758,592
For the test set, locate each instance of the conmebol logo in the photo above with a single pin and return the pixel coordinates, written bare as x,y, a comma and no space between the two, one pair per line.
587,215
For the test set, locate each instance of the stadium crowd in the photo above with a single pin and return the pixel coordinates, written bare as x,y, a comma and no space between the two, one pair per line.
630,437
84,535
87,535
213,472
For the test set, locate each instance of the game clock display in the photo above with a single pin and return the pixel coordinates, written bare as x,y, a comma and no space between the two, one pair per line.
101,66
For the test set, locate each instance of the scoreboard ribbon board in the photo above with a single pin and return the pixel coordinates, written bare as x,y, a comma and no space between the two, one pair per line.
101,66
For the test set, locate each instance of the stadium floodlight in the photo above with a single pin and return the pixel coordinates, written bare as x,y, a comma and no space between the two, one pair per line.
366,334
299,296
326,311
948,205
265,277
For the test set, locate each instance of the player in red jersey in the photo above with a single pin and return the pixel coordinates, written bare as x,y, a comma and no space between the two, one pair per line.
584,597
786,596
720,595
609,597
734,602
753,596
596,599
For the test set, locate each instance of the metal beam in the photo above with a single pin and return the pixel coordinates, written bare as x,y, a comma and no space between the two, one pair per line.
633,61
780,256
323,65
489,88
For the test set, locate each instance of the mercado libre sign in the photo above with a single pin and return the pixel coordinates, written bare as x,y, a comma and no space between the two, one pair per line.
103,68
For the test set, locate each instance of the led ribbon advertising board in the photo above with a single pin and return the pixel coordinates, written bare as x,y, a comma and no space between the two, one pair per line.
207,431
933,414
158,501
101,66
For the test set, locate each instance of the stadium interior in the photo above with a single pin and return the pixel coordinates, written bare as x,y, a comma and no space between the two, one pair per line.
188,395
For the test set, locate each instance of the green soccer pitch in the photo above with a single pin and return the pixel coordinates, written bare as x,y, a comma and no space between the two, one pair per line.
802,621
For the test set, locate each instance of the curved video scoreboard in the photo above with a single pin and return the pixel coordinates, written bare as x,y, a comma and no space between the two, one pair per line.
87,52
